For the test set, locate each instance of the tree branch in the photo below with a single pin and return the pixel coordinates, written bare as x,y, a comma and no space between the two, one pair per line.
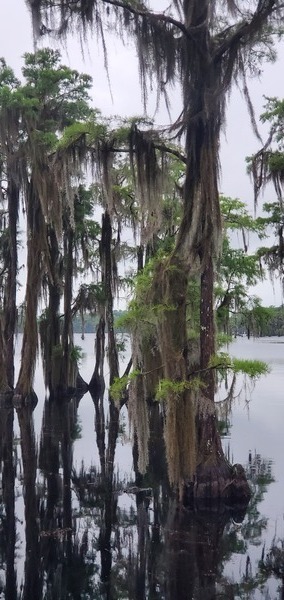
143,12
140,10
168,150
161,147
246,29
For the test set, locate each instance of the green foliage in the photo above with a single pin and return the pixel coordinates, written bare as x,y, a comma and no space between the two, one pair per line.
134,314
88,131
221,361
238,269
274,213
145,314
76,355
274,114
253,368
223,339
267,166
273,323
44,140
8,80
51,97
236,216
119,386
167,387
140,309
62,92
276,161
257,320
239,266
84,205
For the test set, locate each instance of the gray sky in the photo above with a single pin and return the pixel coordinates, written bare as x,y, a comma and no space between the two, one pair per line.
238,142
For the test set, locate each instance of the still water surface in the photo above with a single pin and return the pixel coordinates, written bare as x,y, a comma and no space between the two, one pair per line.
76,523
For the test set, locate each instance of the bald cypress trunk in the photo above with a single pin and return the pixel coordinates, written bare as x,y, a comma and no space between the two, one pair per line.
10,310
107,269
69,368
49,323
35,237
196,462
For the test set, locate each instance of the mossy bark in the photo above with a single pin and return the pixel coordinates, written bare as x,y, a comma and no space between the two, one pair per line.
69,368
10,309
35,249
196,462
49,324
108,277
170,288
197,465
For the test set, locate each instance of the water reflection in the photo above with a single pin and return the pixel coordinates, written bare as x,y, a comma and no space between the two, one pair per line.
91,531
8,527
32,573
82,541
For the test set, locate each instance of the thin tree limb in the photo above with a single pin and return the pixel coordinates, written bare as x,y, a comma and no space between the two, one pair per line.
143,12
246,28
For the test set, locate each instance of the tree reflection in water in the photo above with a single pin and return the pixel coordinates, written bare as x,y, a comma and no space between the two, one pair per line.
7,508
91,534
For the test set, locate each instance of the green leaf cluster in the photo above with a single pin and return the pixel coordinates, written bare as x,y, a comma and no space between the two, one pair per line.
140,309
119,386
237,217
167,387
253,368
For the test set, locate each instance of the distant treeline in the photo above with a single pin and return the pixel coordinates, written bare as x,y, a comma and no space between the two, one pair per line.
88,325
91,322
261,321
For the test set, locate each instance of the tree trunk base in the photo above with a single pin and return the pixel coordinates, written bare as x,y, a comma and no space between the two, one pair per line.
218,485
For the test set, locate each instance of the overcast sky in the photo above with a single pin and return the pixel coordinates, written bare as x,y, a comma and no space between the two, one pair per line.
125,99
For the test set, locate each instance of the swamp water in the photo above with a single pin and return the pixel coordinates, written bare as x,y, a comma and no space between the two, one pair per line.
87,528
